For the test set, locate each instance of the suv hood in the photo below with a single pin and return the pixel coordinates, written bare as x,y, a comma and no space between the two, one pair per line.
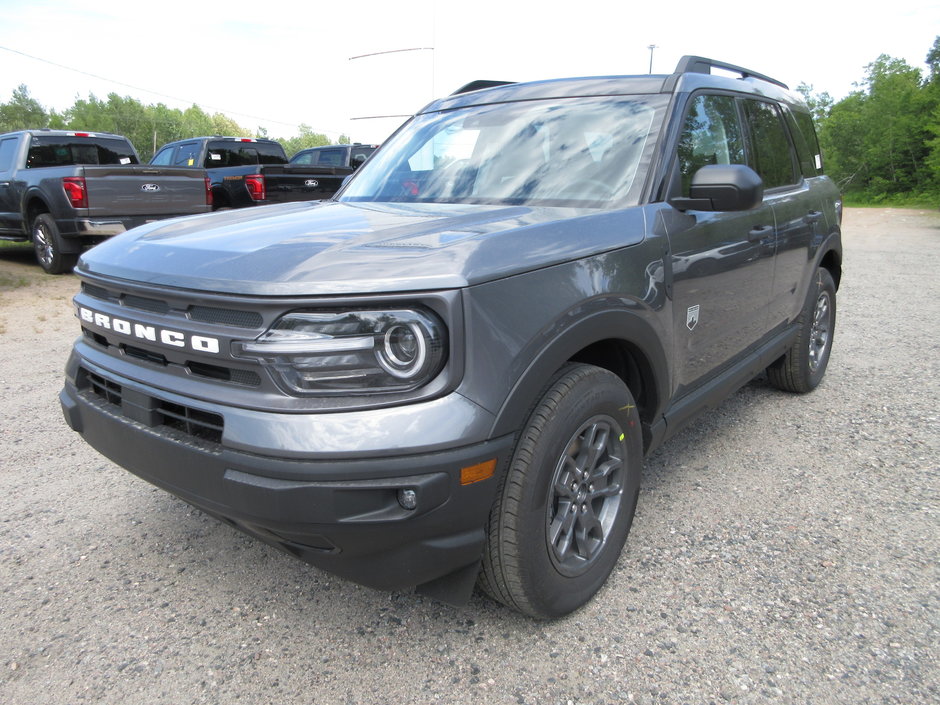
357,248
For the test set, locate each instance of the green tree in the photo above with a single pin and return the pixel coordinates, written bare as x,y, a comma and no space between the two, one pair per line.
22,112
306,139
878,138
819,104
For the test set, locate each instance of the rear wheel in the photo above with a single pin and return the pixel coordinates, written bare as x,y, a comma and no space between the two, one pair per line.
802,368
565,506
48,245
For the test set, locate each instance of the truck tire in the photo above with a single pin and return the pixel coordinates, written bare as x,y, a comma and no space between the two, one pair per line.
565,505
802,368
48,245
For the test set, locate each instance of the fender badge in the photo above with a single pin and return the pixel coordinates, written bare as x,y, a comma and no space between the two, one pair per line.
691,317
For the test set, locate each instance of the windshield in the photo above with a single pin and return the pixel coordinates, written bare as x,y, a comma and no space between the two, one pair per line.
583,152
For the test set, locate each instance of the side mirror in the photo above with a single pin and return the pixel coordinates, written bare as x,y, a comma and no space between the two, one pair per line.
722,187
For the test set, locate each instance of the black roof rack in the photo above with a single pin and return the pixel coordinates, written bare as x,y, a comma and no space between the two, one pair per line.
480,85
699,64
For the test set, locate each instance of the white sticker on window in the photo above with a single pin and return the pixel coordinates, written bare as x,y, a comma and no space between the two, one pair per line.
818,161
125,160
215,157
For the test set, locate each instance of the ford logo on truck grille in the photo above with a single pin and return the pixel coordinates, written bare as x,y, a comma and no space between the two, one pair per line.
150,187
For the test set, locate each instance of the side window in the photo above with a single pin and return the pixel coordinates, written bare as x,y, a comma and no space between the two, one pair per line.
711,135
807,146
163,157
186,154
305,158
7,150
771,155
332,157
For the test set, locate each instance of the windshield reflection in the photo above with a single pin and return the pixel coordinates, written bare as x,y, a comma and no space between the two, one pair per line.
581,152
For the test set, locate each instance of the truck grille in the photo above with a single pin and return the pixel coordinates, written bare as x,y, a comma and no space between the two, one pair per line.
152,411
204,314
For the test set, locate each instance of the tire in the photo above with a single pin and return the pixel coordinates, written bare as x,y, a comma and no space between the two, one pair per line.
802,368
48,246
563,511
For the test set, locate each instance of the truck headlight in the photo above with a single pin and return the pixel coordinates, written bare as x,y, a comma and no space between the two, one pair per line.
349,352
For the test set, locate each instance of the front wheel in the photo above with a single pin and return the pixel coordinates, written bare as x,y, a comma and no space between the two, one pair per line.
48,245
802,368
566,503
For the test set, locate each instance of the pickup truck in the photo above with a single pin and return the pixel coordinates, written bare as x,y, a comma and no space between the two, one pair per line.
67,191
450,373
245,171
351,155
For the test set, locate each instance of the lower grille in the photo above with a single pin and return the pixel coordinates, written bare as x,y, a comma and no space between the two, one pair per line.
154,412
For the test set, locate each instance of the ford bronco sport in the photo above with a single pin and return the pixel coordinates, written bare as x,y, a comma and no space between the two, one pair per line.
449,373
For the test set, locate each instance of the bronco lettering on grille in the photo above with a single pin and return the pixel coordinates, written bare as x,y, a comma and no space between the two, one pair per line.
165,336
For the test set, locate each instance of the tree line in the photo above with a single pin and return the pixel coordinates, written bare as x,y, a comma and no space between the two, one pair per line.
881,143
148,127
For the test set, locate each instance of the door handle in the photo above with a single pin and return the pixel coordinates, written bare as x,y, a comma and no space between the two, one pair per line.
759,232
813,217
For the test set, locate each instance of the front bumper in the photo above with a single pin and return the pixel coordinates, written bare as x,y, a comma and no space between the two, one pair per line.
341,513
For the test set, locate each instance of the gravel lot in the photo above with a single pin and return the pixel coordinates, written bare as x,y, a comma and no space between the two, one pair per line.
785,550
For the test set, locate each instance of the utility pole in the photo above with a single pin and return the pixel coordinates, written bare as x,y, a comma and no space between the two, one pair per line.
651,47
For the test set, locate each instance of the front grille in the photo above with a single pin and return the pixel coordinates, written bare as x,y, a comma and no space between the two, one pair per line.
228,317
152,411
152,305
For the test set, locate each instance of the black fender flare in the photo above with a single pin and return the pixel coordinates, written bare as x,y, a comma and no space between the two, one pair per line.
620,326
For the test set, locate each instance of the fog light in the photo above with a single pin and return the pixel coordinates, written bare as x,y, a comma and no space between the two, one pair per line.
408,499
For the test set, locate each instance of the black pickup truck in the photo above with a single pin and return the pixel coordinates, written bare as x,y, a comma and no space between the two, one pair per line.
249,172
68,190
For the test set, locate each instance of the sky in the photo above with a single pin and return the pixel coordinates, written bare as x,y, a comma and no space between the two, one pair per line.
336,65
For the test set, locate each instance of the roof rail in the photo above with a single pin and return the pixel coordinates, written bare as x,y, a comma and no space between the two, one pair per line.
699,64
480,85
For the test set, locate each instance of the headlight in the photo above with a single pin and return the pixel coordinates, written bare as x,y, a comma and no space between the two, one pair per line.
349,352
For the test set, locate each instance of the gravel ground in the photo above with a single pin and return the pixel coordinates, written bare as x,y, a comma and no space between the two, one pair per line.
785,550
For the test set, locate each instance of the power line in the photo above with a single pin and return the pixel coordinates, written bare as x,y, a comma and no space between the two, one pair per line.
156,93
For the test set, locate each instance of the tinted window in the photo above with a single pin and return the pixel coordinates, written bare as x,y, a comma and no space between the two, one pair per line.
65,151
770,149
711,135
231,153
163,157
358,155
184,154
303,158
804,135
7,150
270,153
332,157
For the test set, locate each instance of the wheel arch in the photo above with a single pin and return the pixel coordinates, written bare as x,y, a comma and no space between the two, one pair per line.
33,205
618,341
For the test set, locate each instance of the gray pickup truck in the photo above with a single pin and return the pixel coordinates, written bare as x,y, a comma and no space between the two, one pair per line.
67,191
451,372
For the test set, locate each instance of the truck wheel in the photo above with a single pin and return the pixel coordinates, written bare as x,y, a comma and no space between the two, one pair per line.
564,508
802,368
48,246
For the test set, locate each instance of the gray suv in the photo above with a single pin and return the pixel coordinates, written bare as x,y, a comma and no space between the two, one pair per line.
449,374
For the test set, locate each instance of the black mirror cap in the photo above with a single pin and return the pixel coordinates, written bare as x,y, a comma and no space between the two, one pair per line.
722,187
